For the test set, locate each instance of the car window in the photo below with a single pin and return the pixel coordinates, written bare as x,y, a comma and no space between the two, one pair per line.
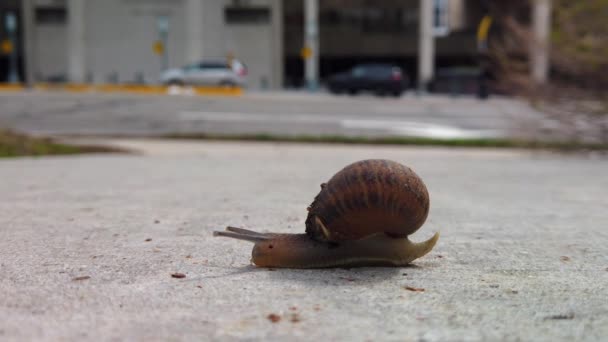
211,65
191,67
384,70
359,71
376,70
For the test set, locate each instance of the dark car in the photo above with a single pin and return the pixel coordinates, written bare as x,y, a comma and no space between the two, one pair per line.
379,78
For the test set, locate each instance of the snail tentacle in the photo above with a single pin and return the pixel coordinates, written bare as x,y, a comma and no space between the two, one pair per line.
326,232
244,231
243,234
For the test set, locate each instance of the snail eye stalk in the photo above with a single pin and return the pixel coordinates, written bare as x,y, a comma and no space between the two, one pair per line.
242,234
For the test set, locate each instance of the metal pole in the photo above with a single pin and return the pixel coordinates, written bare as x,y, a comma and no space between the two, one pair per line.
10,21
426,45
311,39
165,56
539,51
163,33
29,41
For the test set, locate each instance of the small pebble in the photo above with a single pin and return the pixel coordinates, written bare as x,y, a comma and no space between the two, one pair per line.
274,318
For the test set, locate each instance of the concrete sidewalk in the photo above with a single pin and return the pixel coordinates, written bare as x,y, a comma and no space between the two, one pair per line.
88,245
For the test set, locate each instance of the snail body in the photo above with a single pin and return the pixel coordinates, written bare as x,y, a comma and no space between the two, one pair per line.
361,217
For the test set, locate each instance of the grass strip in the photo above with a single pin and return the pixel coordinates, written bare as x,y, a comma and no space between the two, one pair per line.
13,144
398,140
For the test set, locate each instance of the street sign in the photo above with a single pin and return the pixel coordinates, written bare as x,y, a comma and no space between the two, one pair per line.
482,33
441,22
306,52
158,47
162,22
10,22
6,46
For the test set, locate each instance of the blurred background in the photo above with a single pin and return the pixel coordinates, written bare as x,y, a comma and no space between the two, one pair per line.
283,44
550,53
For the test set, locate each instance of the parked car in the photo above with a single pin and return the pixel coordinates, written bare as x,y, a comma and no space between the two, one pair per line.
379,78
208,72
461,80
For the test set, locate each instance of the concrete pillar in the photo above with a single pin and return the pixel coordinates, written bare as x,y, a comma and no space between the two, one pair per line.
426,45
539,49
29,41
277,45
311,42
194,30
76,41
457,15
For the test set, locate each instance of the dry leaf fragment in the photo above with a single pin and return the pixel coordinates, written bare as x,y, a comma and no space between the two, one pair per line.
295,318
274,318
414,289
566,316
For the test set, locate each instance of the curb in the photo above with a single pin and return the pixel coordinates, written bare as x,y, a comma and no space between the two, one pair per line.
11,87
128,88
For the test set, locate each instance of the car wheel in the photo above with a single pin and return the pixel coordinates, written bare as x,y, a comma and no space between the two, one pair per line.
227,83
352,91
397,93
380,92
175,83
335,90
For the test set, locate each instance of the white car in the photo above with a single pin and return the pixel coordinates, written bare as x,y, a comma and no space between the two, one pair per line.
207,72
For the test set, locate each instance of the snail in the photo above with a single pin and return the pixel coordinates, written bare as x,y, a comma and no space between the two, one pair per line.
361,217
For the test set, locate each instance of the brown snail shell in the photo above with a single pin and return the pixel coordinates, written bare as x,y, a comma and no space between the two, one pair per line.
368,197
361,217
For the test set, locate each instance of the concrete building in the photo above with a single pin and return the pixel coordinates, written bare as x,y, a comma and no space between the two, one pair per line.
115,40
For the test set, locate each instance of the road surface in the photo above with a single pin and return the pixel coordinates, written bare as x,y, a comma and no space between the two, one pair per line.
88,246
281,113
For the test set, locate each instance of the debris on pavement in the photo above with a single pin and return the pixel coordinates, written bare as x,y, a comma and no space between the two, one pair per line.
274,318
178,275
560,317
414,289
294,318
348,278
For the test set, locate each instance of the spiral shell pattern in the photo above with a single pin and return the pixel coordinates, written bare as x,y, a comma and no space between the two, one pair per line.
366,198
